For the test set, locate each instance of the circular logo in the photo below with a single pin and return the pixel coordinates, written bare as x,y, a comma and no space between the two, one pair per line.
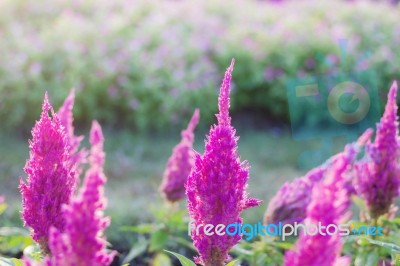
359,95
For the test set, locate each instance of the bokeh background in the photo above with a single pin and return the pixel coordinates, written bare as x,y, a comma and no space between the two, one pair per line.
141,68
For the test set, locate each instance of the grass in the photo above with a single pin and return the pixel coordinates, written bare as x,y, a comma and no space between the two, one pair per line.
134,167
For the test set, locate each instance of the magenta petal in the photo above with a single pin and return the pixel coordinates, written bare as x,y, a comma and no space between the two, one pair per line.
50,181
180,163
216,186
83,242
378,175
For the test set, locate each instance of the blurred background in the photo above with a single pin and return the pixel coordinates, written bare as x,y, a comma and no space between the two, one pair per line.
141,68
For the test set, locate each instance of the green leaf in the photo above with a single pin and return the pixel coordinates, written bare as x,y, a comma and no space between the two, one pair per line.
283,245
13,231
372,259
183,260
4,261
386,245
397,260
232,263
158,240
360,259
260,259
363,242
13,240
395,221
161,260
17,262
136,250
10,262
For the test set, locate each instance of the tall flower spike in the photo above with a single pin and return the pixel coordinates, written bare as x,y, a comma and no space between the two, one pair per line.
329,205
216,186
223,100
377,179
50,181
82,242
180,163
78,157
290,202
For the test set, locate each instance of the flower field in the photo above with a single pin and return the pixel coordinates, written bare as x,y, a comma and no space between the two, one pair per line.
253,133
140,59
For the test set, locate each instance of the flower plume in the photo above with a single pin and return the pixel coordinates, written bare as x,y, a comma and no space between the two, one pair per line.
78,157
329,205
82,242
180,163
290,202
223,100
216,187
50,181
378,174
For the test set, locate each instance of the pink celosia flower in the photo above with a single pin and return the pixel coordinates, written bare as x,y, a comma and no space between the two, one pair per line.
82,243
377,179
50,181
78,157
329,205
180,163
216,187
290,203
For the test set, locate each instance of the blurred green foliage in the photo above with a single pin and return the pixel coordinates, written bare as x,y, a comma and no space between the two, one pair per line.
148,64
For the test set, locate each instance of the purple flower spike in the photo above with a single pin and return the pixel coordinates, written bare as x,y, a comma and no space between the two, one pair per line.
82,242
329,205
78,157
290,203
50,182
216,187
377,179
180,163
